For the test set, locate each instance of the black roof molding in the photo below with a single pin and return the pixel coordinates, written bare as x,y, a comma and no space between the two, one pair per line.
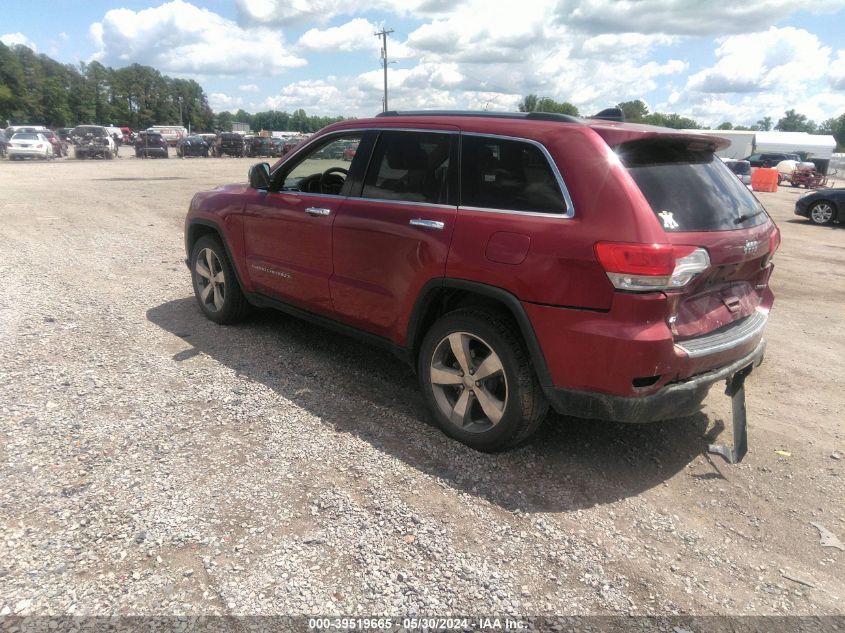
531,116
610,114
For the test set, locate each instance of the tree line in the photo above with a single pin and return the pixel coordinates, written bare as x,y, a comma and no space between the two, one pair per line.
637,112
38,90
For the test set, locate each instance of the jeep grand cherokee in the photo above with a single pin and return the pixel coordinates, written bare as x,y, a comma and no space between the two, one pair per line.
610,270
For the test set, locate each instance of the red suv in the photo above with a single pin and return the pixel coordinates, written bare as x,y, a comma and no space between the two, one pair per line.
612,270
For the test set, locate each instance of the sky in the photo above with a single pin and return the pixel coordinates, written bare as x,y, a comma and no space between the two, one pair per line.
734,61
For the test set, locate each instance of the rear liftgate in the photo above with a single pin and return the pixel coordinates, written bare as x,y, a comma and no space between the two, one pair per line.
735,390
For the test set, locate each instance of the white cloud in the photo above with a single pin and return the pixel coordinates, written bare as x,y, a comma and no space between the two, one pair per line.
248,88
777,59
220,102
17,39
283,12
682,17
477,32
178,37
623,45
837,71
354,35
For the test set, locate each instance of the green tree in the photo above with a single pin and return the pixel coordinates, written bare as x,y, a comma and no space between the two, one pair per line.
529,103
836,128
533,103
675,121
635,111
727,125
792,121
765,124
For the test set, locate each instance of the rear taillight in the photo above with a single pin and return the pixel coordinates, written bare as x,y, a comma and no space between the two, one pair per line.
650,267
774,244
774,241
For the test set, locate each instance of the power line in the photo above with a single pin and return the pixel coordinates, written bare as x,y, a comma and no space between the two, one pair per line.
383,34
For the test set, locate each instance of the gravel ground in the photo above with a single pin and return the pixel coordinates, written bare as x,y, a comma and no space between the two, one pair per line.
152,462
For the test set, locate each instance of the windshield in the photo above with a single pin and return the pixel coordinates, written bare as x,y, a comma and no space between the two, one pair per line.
690,189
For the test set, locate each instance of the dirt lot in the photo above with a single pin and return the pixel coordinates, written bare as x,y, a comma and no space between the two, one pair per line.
152,462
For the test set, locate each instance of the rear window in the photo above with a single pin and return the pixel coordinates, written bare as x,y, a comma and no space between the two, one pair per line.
690,189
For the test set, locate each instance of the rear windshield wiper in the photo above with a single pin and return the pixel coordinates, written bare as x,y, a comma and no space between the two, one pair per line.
746,216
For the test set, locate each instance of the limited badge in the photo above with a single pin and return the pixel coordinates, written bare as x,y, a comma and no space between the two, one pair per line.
668,220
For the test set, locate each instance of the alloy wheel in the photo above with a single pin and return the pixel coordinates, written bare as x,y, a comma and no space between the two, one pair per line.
211,280
822,213
468,382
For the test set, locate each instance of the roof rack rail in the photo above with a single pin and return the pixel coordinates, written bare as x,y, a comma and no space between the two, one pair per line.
531,116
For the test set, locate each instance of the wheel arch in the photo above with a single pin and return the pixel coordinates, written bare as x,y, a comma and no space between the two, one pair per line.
200,227
440,296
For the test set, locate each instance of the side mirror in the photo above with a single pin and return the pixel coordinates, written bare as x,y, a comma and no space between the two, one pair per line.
259,176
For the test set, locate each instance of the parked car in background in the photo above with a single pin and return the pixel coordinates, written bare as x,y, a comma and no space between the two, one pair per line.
209,138
63,134
229,144
349,152
59,148
264,146
290,144
191,146
170,133
742,169
148,144
516,260
29,145
4,141
769,159
822,207
92,141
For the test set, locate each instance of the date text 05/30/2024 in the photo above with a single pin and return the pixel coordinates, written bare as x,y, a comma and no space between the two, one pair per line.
429,623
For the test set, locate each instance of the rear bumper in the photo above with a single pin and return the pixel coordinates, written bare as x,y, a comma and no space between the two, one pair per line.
27,151
672,401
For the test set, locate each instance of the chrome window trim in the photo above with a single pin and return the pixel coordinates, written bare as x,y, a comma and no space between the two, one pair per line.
568,213
415,203
537,214
296,192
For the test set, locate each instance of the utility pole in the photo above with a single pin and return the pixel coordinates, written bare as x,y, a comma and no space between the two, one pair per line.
383,34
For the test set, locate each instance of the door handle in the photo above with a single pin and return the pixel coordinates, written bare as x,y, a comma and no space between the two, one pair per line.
317,211
427,224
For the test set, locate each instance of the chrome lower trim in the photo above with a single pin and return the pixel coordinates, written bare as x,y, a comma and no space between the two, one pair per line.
726,338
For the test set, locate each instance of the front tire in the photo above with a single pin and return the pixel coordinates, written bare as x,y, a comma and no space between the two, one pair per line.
821,213
477,379
216,287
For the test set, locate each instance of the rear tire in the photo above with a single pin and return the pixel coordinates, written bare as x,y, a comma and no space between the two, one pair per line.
216,286
477,379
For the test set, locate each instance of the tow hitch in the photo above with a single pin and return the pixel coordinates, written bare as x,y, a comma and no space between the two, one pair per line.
735,389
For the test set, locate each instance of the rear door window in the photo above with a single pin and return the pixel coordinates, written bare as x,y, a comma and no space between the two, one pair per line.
690,189
508,175
411,167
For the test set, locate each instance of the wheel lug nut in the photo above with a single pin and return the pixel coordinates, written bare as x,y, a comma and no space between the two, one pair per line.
477,383
471,372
